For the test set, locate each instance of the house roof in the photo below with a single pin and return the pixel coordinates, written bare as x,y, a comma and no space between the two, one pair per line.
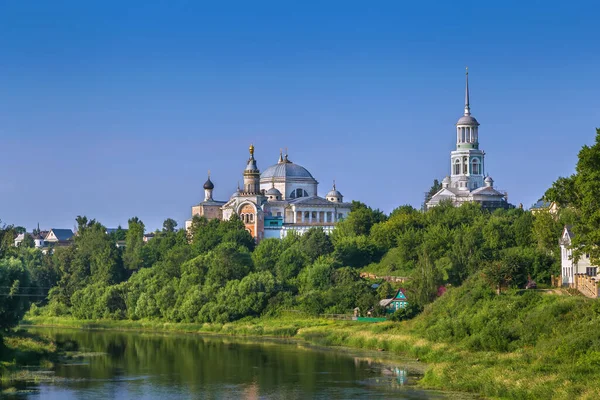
400,295
62,234
541,203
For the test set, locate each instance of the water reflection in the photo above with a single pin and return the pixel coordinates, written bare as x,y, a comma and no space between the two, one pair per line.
152,366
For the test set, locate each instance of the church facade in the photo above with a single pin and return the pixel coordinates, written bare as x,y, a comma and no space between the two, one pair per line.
281,199
468,181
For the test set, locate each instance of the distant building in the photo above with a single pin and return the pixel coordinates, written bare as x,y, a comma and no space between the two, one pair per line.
38,239
148,236
395,303
61,236
543,205
283,198
468,181
43,239
569,267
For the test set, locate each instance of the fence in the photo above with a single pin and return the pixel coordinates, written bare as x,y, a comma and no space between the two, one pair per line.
586,285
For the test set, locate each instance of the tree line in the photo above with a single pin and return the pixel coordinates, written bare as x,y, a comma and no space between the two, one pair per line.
215,272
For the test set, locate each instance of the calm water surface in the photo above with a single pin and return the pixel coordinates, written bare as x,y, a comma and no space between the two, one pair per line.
125,365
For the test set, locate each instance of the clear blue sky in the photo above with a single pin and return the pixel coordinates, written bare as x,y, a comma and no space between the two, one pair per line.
114,109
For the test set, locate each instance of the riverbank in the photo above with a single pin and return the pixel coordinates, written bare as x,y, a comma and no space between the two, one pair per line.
517,374
22,353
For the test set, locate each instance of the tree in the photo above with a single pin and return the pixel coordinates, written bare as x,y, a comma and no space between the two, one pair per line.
266,254
169,225
27,242
360,220
134,240
582,192
316,243
14,284
433,190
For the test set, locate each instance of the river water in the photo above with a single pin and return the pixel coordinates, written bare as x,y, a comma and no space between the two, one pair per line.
128,365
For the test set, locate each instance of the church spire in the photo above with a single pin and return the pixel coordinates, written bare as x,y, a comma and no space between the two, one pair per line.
467,106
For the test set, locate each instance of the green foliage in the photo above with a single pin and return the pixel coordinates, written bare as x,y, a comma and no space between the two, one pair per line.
581,192
14,287
134,240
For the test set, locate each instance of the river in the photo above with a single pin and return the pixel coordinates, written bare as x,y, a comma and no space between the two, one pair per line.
129,365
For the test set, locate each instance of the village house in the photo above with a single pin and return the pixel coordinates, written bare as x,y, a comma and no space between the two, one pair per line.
570,267
395,303
543,205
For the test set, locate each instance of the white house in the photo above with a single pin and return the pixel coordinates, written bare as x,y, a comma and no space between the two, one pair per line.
570,267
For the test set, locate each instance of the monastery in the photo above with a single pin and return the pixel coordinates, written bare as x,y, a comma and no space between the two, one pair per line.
281,199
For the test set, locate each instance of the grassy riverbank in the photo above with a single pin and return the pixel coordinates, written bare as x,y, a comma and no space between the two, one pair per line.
522,345
22,353
517,374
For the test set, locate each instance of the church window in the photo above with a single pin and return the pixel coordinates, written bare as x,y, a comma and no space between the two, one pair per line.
475,166
457,167
279,213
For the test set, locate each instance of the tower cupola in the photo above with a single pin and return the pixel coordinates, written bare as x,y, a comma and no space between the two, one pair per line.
467,135
334,195
251,174
208,189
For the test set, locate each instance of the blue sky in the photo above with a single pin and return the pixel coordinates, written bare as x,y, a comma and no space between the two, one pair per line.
117,109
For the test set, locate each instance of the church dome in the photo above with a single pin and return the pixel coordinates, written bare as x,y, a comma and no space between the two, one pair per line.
273,192
334,193
286,170
467,120
209,185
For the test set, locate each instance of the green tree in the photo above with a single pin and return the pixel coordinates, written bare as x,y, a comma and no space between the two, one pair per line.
436,187
14,284
134,241
169,225
316,243
582,192
266,254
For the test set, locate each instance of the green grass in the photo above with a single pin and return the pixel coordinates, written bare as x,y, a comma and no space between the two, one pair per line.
22,354
520,345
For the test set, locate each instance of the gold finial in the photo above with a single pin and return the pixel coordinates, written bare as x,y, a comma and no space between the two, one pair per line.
251,148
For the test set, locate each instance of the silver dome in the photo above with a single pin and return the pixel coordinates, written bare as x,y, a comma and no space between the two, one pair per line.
273,192
467,120
286,170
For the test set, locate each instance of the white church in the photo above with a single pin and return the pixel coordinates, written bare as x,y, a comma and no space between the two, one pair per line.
468,181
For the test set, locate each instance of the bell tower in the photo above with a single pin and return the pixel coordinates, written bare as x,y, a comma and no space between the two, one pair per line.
466,162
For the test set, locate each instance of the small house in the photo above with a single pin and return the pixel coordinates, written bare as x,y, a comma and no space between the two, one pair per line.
60,236
395,303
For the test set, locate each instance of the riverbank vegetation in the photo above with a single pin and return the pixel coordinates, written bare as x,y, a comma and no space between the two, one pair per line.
521,344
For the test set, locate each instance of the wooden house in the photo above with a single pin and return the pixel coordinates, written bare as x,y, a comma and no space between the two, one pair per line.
395,303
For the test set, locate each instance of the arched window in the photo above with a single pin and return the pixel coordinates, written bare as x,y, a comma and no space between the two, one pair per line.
465,166
457,167
293,194
475,170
